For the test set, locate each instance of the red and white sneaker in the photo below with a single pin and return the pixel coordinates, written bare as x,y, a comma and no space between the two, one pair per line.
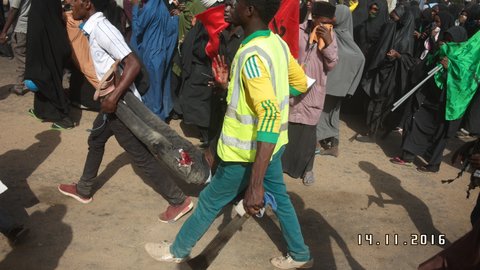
71,191
175,212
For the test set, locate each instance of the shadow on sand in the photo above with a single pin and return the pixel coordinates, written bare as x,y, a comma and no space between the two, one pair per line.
385,183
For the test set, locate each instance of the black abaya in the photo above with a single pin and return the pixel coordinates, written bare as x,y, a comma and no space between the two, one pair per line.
48,50
385,79
426,131
195,94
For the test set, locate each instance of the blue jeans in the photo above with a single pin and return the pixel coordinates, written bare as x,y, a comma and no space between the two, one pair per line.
229,180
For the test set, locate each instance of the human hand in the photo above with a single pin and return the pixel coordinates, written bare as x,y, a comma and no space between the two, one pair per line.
444,62
174,12
108,104
181,7
253,200
220,72
416,34
3,38
392,54
323,33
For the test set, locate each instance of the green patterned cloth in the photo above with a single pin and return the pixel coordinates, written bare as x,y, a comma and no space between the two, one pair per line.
462,77
192,8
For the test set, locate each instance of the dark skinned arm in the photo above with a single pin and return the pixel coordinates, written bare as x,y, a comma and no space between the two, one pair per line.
253,200
131,69
12,15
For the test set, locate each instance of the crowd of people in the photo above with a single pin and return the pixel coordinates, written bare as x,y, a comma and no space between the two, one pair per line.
263,105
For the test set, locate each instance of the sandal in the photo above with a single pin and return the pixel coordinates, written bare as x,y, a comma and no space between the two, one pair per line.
64,124
31,112
400,161
308,179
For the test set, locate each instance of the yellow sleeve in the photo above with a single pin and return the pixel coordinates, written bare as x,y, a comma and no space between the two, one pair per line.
296,77
353,5
261,98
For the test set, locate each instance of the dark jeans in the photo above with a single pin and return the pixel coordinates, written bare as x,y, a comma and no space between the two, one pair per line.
156,173
6,222
475,215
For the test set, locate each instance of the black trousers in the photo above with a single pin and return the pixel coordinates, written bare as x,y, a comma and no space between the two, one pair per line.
6,222
157,174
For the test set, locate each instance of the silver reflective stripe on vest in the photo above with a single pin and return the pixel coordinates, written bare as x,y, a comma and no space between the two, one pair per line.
248,119
244,145
285,102
236,83
240,144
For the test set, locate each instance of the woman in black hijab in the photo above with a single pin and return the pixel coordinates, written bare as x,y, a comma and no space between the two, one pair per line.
441,23
387,69
415,9
444,20
473,21
426,131
48,50
423,26
373,18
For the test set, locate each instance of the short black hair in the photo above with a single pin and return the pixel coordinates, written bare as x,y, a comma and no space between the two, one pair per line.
100,5
266,8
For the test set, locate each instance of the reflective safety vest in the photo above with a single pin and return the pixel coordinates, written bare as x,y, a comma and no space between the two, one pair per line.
237,141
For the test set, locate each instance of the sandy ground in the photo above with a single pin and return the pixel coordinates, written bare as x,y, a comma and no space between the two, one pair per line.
360,192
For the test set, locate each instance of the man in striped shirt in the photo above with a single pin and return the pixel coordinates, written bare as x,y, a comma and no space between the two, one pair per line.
107,46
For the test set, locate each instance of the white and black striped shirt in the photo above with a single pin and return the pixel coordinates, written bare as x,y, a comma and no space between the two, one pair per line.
106,45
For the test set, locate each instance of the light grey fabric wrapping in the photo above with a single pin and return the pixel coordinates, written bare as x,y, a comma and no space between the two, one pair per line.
345,77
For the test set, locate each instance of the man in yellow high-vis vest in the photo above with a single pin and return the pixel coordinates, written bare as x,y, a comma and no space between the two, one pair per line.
262,77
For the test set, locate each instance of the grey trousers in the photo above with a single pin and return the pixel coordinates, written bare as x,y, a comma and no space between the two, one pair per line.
19,45
328,125
156,173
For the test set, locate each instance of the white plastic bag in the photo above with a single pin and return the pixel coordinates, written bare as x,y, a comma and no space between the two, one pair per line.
3,188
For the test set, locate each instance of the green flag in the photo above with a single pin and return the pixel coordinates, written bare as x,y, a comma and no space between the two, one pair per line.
462,76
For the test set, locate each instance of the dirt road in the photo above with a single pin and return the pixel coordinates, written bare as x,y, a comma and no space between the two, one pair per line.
359,193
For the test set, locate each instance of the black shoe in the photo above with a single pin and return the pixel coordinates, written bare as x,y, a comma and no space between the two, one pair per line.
17,235
332,151
175,116
65,123
428,169
365,139
325,143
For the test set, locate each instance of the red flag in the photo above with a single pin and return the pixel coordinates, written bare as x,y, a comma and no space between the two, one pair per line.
214,22
286,24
